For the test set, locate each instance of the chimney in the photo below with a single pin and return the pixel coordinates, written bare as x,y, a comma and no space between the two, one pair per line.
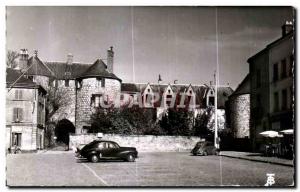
70,59
287,27
68,69
23,60
110,60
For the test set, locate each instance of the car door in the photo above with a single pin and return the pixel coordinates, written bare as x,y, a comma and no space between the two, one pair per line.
113,150
104,150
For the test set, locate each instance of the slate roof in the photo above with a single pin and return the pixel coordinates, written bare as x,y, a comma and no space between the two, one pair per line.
243,87
59,69
200,91
37,67
98,69
12,75
80,70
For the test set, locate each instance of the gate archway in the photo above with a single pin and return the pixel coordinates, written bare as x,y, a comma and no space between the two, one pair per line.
62,130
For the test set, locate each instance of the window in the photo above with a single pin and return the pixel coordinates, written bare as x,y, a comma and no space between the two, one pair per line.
112,145
211,101
168,100
18,94
78,84
284,99
276,101
67,82
17,114
16,139
283,68
275,72
103,82
67,73
258,78
95,100
148,99
291,65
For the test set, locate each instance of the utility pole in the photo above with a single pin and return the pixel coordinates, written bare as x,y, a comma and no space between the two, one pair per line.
216,75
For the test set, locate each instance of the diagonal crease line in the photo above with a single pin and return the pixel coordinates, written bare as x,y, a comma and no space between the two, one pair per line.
95,174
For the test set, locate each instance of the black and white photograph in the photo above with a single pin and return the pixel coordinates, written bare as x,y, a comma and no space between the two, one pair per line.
150,96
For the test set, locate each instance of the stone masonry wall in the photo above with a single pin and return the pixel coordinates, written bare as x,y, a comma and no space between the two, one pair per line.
83,105
143,143
69,97
240,115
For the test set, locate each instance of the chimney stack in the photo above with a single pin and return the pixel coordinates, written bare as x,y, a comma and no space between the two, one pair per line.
287,27
70,59
23,60
110,60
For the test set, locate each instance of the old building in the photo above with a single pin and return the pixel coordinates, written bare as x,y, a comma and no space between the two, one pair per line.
240,110
85,86
191,97
271,86
25,112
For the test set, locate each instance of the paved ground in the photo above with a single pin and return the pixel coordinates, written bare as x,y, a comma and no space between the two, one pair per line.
257,157
151,169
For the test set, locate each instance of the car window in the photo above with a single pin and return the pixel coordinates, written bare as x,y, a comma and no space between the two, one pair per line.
112,145
102,145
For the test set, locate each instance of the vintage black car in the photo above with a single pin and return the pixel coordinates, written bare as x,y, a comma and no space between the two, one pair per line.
205,148
101,149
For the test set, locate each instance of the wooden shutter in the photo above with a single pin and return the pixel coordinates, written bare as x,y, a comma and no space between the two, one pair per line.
15,114
20,114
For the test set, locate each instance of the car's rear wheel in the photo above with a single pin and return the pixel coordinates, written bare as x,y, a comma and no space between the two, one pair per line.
94,158
130,158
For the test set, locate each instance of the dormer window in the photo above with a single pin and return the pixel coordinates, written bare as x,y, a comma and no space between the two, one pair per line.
78,84
67,82
100,82
211,101
67,73
169,91
148,90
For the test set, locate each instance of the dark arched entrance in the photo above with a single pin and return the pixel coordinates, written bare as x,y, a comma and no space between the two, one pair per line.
62,130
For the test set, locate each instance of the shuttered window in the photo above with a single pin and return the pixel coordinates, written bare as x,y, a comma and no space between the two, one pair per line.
18,94
17,114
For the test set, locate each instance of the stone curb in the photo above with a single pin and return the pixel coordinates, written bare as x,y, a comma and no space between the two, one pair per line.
258,160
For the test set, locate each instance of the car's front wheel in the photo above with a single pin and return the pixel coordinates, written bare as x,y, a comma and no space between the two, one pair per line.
205,153
94,158
130,158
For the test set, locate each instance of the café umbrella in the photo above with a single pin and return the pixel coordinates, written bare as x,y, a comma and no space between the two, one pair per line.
270,134
288,131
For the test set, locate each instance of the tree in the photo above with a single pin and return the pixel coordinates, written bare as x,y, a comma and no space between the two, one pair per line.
11,59
56,99
177,122
201,123
125,120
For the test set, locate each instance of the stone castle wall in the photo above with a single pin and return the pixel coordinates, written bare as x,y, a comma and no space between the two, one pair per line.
67,111
240,115
89,87
143,143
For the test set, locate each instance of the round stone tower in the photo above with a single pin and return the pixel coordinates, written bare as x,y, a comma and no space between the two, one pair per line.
94,86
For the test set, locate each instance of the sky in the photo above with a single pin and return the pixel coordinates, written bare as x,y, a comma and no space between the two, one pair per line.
179,43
